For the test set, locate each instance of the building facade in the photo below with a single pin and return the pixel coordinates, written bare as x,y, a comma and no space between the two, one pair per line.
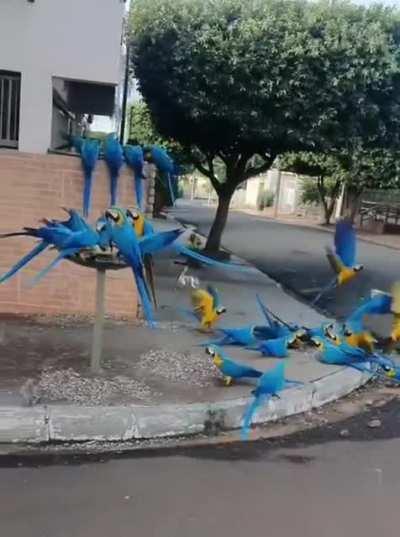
59,64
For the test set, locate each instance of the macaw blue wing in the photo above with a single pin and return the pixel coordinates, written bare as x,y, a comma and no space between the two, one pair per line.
89,155
39,248
158,241
114,157
345,242
377,305
135,159
62,255
215,295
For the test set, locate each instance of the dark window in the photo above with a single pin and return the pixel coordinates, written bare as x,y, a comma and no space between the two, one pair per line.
10,90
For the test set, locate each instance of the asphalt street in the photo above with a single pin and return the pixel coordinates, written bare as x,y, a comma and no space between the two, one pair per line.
295,256
316,484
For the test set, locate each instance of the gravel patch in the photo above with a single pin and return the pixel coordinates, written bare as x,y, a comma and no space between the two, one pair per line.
69,386
192,369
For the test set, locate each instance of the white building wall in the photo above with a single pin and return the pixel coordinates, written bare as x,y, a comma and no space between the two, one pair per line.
75,39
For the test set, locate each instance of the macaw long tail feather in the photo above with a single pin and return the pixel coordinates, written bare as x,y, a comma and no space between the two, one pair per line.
39,248
248,415
331,285
14,234
205,260
139,190
264,310
62,255
148,267
113,188
144,298
87,194
171,191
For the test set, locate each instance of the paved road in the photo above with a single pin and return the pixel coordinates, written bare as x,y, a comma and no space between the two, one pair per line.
295,256
317,485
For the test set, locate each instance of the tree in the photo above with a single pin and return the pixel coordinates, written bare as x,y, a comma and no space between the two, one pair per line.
237,79
327,172
356,168
368,169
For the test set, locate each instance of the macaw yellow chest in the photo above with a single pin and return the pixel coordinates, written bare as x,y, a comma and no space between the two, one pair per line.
346,275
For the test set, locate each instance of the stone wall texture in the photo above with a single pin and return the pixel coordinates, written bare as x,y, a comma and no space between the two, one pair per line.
36,186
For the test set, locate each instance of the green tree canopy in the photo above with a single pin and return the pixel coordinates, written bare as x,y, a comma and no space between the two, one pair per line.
231,79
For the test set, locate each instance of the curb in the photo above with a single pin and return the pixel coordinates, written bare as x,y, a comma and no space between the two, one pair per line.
62,423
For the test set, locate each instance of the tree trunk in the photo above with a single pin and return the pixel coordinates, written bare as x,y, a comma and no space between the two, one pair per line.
322,195
353,203
221,216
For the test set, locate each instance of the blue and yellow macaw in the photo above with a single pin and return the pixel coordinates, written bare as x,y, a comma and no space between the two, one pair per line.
68,241
89,151
135,159
270,384
114,157
230,370
343,354
207,307
279,347
343,259
124,237
165,166
354,331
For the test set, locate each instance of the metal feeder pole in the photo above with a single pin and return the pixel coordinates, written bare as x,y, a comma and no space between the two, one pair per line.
97,342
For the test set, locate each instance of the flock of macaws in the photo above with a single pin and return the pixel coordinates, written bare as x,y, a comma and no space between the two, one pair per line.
122,235
349,343
115,155
125,235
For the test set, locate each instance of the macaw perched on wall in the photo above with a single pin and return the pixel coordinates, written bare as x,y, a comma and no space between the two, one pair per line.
89,152
343,259
270,384
207,307
165,166
114,157
230,369
135,159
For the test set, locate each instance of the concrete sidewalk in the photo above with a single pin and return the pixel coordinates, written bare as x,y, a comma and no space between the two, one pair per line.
154,383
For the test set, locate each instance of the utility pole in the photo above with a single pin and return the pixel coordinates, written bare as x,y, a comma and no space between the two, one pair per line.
125,96
277,190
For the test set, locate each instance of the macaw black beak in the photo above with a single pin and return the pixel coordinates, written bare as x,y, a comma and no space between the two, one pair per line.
111,215
210,351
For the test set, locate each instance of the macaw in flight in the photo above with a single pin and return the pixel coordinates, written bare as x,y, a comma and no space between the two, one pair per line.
343,259
207,307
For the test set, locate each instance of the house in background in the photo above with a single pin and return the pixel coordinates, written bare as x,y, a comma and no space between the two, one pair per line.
60,66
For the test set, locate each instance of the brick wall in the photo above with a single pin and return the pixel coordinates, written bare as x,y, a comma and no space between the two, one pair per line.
34,186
